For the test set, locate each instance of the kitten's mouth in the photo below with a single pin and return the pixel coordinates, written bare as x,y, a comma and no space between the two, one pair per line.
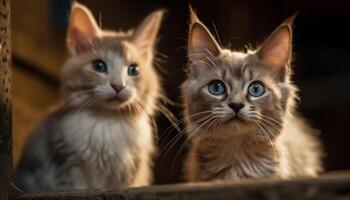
115,101
235,119
115,98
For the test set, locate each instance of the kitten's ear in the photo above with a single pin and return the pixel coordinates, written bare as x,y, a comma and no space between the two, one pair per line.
275,53
82,29
145,34
201,43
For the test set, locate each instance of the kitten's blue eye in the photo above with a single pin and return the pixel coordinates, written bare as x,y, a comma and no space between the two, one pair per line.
99,66
133,70
217,87
256,89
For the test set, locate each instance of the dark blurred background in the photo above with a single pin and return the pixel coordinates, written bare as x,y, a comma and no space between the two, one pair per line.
321,61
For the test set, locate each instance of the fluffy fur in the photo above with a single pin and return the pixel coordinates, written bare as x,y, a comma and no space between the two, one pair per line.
265,138
102,136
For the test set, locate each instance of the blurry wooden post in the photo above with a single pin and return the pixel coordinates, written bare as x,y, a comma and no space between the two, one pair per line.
5,101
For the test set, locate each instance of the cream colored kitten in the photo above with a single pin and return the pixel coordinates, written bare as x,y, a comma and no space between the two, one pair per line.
239,109
102,137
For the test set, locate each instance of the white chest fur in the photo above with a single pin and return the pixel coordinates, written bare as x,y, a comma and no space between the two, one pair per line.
108,147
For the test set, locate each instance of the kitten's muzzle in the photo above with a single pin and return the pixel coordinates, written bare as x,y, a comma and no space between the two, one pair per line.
236,106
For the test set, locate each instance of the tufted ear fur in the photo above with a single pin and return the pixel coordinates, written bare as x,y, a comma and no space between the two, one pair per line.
201,43
145,35
275,53
82,29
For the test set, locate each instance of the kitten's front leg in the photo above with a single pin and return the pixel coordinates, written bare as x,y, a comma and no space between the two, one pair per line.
143,173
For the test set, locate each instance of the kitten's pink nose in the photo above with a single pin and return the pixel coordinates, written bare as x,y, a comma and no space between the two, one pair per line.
117,87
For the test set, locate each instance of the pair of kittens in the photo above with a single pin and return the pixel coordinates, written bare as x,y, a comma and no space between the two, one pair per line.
239,111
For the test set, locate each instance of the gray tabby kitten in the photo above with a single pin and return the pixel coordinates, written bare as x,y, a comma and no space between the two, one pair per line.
102,136
239,110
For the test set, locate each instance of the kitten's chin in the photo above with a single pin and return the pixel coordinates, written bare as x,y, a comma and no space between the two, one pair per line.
116,103
234,122
240,128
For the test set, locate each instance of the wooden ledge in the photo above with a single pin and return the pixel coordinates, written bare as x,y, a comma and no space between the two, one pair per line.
330,186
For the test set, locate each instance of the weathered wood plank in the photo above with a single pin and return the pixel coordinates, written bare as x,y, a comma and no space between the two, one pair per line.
5,101
333,186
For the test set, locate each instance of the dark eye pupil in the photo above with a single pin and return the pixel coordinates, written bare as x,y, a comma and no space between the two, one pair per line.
99,65
256,88
133,70
217,86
